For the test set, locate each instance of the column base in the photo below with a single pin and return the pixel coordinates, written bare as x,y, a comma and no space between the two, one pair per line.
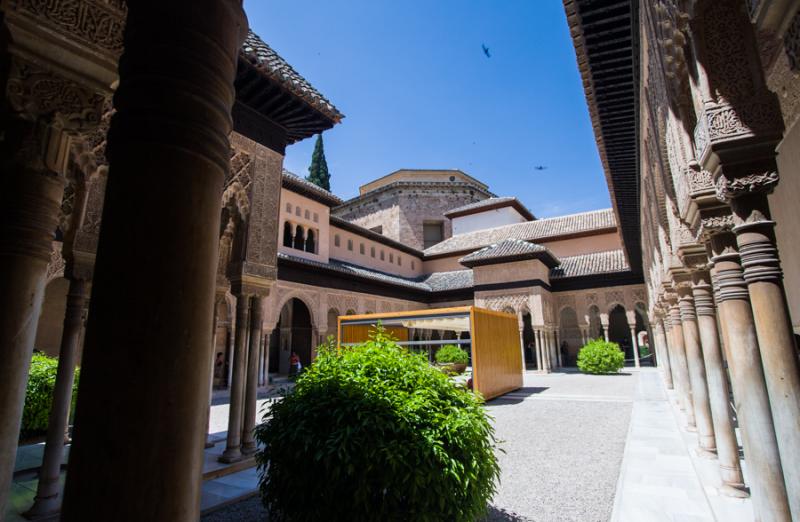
734,491
210,443
691,429
231,455
44,508
705,453
249,449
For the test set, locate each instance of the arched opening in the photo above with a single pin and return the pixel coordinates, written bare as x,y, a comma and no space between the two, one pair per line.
299,238
618,330
646,352
292,334
222,345
311,243
529,342
333,319
287,234
569,335
595,326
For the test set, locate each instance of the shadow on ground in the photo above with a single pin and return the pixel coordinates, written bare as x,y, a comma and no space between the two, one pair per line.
496,514
516,396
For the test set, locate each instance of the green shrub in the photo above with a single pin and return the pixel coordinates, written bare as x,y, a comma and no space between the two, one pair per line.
600,356
373,432
39,395
450,353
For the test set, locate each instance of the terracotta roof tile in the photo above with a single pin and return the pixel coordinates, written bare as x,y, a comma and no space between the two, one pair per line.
257,52
591,264
528,231
294,182
509,250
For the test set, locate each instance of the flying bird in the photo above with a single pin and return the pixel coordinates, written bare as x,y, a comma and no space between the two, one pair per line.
540,167
486,51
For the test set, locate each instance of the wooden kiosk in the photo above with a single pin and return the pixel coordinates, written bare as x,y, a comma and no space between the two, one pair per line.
491,338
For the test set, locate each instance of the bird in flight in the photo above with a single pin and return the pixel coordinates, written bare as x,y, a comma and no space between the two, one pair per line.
486,51
540,167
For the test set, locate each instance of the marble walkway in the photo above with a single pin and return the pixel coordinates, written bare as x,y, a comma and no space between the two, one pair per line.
662,478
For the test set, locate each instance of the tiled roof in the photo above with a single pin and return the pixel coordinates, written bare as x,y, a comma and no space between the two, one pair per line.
591,264
488,204
355,270
528,231
302,186
508,250
453,280
257,52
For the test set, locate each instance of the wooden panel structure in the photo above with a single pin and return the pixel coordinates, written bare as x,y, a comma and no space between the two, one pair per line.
496,354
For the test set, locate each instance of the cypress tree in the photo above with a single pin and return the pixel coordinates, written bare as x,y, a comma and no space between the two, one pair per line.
318,171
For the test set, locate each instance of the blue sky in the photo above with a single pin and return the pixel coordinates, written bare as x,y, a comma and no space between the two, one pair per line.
418,92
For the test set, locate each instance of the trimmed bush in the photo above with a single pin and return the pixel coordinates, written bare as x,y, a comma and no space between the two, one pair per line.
450,353
39,395
373,432
599,356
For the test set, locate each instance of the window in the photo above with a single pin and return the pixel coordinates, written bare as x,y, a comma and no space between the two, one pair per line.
432,233
383,255
413,265
350,245
316,217
299,238
372,251
391,257
399,261
337,240
378,229
289,208
311,244
361,249
307,215
287,234
297,211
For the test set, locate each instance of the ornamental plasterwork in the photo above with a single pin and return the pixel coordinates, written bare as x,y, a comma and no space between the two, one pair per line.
755,182
614,297
55,268
41,93
591,299
784,76
565,300
499,303
98,24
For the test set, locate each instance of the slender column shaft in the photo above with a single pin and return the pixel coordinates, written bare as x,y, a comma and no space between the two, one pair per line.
697,370
635,345
231,350
727,447
537,343
48,490
137,450
29,203
679,349
251,390
755,237
209,442
232,451
664,358
767,488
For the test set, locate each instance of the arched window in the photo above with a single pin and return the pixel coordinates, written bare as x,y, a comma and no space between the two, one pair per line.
299,238
288,207
311,243
307,215
287,234
297,211
391,257
399,261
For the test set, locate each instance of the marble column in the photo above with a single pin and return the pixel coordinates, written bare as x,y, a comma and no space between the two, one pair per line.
231,341
29,209
727,446
755,237
697,371
251,389
681,363
522,346
664,359
604,323
233,451
137,450
764,471
634,344
537,343
48,499
209,442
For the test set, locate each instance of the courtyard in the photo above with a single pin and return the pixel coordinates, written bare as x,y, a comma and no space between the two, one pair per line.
578,447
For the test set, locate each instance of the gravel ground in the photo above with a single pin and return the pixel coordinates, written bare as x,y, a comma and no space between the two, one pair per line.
563,436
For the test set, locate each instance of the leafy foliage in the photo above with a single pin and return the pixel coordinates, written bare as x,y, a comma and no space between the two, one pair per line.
599,356
373,432
39,394
318,171
450,353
